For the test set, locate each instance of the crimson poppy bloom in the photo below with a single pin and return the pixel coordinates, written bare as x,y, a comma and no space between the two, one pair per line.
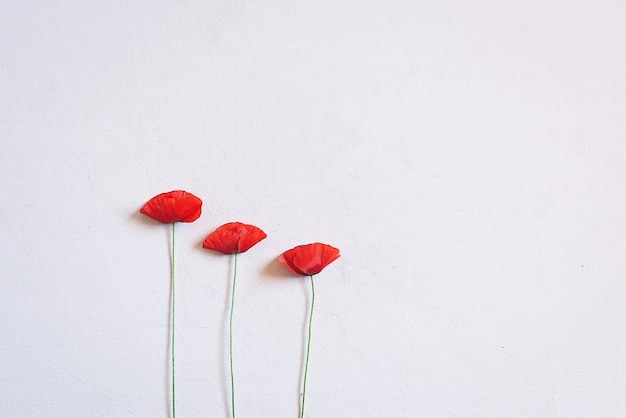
309,259
169,208
174,206
233,237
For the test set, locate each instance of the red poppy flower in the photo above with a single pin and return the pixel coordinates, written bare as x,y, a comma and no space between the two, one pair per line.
309,259
174,206
233,237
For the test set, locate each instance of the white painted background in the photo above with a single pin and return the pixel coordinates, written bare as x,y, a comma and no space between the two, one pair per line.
468,159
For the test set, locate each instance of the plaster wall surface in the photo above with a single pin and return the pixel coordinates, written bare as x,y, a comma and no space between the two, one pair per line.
467,158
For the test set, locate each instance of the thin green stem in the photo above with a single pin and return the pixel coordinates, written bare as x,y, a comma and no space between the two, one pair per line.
232,305
308,347
173,310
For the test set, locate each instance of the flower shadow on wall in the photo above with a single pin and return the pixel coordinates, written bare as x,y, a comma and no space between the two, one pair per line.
233,238
308,260
170,208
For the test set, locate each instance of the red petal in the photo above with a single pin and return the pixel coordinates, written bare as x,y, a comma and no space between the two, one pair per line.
174,206
233,237
309,259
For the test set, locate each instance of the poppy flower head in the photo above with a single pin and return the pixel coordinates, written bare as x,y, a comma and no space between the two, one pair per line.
233,237
309,259
174,206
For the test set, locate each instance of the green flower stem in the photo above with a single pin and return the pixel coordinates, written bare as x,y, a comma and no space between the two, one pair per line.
172,312
232,305
308,347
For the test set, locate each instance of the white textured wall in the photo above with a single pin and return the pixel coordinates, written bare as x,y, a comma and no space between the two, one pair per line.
468,159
